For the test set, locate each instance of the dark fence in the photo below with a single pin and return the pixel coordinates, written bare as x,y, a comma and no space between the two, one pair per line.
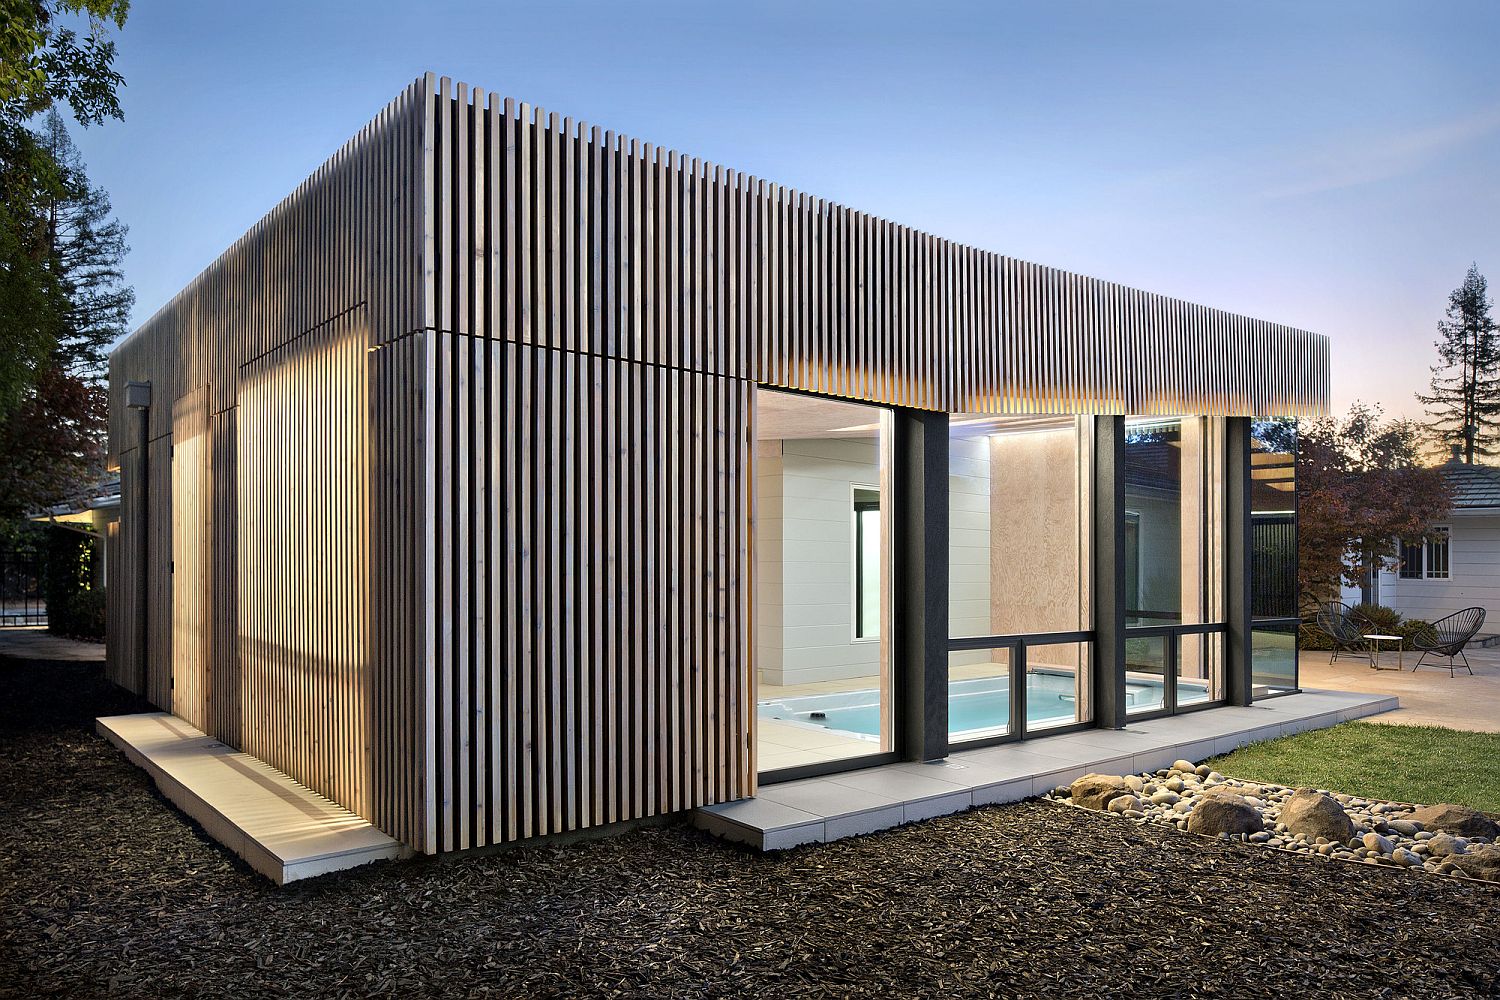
21,596
1273,566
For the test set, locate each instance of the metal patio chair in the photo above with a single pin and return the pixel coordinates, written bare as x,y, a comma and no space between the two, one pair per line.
1448,636
1345,628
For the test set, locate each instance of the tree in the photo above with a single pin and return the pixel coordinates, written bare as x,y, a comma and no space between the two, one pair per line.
61,295
1464,401
51,444
1360,490
42,59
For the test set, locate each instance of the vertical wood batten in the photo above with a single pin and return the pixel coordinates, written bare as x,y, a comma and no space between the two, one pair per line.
537,343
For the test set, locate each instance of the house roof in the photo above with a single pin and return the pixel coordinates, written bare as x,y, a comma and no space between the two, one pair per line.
1474,486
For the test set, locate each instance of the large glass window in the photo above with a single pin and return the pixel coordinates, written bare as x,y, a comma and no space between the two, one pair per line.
1020,525
1174,561
822,594
1273,556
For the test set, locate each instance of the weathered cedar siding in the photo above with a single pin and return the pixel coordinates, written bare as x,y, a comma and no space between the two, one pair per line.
472,417
277,642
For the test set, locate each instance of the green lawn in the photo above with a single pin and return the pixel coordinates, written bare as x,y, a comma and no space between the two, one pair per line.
1421,764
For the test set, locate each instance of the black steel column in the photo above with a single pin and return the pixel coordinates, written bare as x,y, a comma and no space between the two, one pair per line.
1107,594
1238,542
920,586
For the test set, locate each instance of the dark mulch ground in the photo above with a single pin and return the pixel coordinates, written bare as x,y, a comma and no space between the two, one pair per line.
104,888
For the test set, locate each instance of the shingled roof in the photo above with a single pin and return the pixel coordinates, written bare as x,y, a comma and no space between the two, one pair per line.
1474,486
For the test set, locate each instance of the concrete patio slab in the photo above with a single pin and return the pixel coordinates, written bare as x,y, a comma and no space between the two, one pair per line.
817,810
1429,696
283,830
34,644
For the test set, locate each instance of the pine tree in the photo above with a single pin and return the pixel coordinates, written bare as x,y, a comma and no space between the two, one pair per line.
1464,401
87,249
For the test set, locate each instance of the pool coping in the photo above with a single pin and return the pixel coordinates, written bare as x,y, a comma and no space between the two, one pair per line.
832,807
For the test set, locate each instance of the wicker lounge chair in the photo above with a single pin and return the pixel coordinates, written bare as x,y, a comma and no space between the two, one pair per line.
1345,628
1448,637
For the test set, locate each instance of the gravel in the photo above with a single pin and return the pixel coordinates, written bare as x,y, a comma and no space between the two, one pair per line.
104,888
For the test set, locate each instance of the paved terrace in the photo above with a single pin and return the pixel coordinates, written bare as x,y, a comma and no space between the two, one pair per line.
816,810
1429,697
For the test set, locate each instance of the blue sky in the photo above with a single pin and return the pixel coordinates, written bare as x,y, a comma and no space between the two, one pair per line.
1328,165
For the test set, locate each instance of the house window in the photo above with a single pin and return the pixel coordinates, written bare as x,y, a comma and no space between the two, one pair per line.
1437,554
1426,559
866,563
1411,561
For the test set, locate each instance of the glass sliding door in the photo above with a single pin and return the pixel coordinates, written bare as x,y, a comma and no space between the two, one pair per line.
1020,528
823,582
1174,562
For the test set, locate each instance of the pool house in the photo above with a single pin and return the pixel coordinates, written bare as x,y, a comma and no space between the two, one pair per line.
514,477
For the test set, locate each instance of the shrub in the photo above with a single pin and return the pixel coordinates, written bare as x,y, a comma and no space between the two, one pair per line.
70,581
1378,617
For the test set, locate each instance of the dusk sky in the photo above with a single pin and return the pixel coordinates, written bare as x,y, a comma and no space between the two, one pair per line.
1332,166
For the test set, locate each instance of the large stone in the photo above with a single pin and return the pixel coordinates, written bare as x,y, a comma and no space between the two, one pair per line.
1444,844
1124,803
1223,813
1315,814
1093,791
1458,820
1375,843
1483,862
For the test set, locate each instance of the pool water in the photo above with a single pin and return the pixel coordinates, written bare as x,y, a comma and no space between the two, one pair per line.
974,706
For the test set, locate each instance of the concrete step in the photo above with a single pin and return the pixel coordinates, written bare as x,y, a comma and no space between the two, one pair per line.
282,829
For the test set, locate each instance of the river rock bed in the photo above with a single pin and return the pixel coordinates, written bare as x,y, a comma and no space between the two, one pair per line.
1444,839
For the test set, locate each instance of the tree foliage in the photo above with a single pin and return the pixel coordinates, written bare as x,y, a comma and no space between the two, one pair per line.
1464,398
1360,489
50,442
63,299
43,60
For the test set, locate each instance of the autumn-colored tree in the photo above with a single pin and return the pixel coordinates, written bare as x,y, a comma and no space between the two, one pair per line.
1360,489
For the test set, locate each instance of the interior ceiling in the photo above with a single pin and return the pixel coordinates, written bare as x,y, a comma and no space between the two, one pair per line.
785,416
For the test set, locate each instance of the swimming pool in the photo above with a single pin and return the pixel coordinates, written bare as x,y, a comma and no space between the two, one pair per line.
976,707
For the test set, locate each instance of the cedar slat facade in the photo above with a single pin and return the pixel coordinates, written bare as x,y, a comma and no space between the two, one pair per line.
452,453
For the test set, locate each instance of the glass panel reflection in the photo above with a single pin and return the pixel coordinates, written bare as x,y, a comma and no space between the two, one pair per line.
978,694
1145,674
1174,524
1273,500
1273,658
1200,669
1057,685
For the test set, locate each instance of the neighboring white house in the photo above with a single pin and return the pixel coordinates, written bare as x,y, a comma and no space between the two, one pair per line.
1460,567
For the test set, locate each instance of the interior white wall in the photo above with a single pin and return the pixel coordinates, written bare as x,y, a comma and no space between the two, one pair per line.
969,491
805,559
